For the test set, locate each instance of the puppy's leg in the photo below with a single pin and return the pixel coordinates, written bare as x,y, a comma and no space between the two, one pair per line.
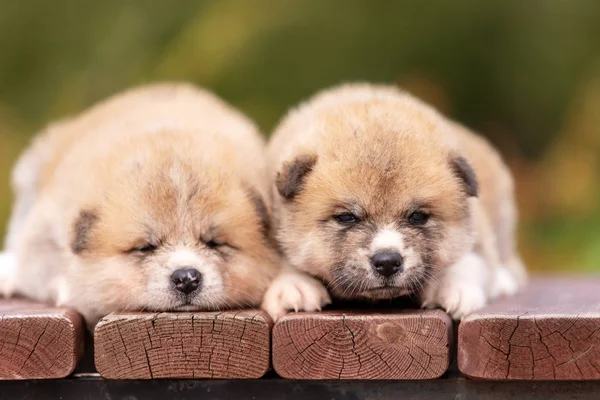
8,273
497,249
62,293
508,279
25,179
294,290
462,287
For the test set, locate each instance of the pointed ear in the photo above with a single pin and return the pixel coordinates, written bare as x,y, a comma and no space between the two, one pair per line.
463,170
260,208
291,176
82,227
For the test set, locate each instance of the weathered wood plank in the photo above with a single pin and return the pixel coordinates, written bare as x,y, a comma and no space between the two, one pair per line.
38,341
233,344
411,344
550,331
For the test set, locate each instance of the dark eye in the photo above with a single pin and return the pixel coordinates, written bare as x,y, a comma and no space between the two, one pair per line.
418,218
145,248
214,244
346,218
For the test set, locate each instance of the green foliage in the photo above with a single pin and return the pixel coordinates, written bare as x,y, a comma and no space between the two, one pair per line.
510,69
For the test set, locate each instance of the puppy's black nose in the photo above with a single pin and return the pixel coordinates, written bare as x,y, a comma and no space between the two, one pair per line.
186,280
387,263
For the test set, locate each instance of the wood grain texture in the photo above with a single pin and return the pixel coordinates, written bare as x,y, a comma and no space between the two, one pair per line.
550,331
38,341
361,345
233,344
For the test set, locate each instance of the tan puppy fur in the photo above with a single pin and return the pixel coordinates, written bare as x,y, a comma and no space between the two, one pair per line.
377,196
111,203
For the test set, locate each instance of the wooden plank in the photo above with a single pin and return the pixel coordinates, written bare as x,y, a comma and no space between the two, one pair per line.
38,341
410,344
550,331
233,344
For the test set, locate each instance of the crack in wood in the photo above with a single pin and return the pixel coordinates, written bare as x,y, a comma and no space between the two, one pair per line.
231,344
338,345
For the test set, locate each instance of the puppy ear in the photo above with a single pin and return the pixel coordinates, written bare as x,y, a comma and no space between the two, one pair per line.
290,179
81,230
463,170
260,207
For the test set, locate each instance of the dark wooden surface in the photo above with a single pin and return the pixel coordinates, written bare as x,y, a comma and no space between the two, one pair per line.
550,331
38,341
411,344
233,344
454,387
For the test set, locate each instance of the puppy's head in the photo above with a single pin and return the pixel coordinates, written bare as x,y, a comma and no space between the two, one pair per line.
171,233
375,213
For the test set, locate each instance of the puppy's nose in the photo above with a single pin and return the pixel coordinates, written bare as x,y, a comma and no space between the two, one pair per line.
387,263
186,280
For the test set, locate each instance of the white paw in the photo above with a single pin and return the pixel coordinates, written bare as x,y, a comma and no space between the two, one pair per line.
459,299
503,283
8,274
461,290
61,291
294,291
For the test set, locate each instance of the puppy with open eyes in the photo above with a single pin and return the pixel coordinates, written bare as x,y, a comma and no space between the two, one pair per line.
377,195
156,199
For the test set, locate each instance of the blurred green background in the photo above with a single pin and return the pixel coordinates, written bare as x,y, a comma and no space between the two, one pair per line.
526,74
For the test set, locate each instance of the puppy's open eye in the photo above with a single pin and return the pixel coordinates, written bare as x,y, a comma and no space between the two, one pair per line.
346,219
146,248
418,218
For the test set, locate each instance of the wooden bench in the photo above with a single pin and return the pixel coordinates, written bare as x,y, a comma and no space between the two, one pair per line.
38,341
549,331
233,344
362,345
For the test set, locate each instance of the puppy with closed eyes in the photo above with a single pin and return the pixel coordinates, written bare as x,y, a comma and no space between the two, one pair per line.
377,195
156,199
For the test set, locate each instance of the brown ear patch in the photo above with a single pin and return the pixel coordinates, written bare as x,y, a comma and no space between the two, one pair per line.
290,179
81,228
463,170
260,207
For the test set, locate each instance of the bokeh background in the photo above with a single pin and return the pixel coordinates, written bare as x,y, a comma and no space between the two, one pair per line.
526,74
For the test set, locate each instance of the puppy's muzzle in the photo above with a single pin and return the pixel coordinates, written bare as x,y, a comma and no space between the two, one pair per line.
186,280
387,263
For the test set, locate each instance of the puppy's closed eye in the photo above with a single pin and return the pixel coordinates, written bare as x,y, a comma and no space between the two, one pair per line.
146,248
142,247
216,243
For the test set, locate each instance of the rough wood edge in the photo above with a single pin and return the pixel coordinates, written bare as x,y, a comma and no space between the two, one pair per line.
76,330
106,322
467,350
434,315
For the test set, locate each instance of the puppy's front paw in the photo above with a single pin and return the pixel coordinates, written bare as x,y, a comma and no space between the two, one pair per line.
459,299
461,290
294,291
8,274
503,284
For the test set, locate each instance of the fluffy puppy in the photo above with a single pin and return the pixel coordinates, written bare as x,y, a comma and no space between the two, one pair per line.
156,199
378,196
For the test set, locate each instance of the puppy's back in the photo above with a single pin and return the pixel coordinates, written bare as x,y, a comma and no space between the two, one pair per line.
496,194
66,153
219,129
